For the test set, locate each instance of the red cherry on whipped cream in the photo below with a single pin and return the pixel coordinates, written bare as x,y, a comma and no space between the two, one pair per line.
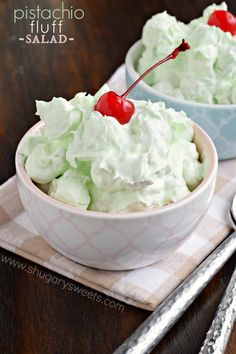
225,20
119,107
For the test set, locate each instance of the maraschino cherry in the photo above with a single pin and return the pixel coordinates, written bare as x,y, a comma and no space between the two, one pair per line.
225,20
119,107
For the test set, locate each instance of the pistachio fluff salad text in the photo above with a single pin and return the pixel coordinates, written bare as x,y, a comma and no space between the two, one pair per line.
207,73
91,161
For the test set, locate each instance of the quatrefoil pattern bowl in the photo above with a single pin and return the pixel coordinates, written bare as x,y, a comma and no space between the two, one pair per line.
219,121
118,241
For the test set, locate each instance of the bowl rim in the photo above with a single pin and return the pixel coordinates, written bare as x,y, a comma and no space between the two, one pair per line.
129,64
32,188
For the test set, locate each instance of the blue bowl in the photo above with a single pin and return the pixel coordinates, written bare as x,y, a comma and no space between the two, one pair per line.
219,121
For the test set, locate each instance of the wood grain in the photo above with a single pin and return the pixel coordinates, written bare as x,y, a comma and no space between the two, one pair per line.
39,317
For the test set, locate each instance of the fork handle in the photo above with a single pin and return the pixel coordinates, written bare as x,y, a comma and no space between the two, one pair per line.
218,335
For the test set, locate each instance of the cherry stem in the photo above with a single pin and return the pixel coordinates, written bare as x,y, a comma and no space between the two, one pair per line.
181,48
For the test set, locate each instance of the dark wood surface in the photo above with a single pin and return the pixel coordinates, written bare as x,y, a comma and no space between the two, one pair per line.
41,318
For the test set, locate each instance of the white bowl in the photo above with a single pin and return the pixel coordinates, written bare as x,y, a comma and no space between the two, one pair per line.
118,241
218,120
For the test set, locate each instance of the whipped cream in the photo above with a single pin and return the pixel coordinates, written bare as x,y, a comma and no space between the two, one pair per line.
91,161
206,73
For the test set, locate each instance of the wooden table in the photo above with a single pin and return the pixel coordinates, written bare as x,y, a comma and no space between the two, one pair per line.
36,317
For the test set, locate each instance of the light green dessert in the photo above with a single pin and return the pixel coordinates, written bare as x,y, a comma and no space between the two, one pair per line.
92,162
206,73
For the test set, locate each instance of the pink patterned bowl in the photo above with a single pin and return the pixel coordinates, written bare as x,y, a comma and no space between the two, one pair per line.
118,241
